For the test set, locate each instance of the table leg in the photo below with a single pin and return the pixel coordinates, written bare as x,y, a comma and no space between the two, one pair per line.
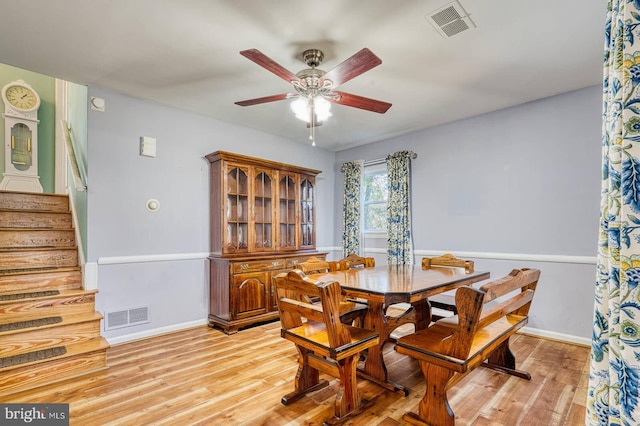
423,314
374,368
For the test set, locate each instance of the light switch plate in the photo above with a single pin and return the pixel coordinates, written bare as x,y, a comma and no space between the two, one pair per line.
147,146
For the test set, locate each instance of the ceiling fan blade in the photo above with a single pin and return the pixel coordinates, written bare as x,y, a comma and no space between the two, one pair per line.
256,101
269,64
347,99
357,64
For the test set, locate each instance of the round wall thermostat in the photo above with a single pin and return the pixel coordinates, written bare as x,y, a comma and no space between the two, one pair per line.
153,205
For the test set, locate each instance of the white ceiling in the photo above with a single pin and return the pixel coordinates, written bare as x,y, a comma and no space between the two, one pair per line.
184,53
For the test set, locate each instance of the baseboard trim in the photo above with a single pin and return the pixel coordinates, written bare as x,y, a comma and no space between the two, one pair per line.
154,332
560,337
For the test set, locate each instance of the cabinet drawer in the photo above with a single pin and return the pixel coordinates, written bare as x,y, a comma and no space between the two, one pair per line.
293,262
258,265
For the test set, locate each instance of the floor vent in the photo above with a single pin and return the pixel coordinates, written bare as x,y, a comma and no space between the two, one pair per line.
450,19
127,318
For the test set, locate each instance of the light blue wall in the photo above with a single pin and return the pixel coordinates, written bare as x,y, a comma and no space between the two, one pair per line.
524,180
121,181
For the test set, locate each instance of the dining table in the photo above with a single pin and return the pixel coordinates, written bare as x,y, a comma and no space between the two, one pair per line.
382,286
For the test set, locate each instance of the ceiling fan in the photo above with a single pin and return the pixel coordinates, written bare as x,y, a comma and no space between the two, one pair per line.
314,87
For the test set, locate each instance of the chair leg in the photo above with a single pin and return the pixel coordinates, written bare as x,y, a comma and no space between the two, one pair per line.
434,407
307,378
502,359
348,403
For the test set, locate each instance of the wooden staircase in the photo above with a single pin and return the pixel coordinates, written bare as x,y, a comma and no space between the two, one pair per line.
49,329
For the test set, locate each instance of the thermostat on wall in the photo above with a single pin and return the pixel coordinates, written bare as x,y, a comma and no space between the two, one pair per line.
147,146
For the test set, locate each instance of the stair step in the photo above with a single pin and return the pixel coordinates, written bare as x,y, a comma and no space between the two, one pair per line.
72,329
35,219
18,260
47,302
49,329
41,279
36,237
79,359
33,356
32,201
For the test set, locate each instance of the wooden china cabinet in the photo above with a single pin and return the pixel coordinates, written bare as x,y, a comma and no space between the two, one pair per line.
262,223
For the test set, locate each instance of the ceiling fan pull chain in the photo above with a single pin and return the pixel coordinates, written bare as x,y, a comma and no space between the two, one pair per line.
312,111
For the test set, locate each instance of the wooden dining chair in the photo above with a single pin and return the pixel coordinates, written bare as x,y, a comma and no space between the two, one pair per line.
446,301
355,261
398,314
313,265
351,311
324,343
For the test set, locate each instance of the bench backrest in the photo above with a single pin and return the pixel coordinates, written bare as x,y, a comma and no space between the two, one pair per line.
447,260
477,308
355,261
294,294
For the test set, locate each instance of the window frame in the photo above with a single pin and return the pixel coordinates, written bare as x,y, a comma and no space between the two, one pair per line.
370,169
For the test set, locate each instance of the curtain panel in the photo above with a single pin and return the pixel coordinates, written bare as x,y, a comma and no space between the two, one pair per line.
399,244
351,207
614,379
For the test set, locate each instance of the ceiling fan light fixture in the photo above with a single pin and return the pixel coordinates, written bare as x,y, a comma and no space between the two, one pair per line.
322,108
301,107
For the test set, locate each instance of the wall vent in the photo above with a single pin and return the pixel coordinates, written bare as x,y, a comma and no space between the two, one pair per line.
450,19
126,318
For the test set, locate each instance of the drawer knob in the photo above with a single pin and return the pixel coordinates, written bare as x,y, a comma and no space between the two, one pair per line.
244,266
275,263
294,262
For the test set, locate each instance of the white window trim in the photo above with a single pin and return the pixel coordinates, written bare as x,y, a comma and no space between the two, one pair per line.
373,166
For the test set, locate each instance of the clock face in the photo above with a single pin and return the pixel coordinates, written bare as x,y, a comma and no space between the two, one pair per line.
21,97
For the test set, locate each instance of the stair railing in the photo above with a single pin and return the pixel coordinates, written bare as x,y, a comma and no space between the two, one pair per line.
79,178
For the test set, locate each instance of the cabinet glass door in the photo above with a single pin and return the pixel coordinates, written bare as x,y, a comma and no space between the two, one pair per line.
237,214
263,208
287,212
307,214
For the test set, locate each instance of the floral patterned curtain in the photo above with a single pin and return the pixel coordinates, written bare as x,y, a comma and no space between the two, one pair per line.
351,207
614,380
399,245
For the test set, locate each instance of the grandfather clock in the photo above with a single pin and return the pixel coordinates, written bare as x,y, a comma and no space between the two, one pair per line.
21,105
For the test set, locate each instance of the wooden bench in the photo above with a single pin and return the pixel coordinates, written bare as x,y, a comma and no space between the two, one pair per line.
452,347
446,301
324,343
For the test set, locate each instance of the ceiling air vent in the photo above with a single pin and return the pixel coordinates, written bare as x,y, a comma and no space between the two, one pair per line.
450,19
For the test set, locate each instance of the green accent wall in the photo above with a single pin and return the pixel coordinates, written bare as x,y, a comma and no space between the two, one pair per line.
45,86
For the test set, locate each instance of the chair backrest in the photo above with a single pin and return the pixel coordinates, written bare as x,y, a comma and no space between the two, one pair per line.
511,294
295,290
354,261
313,265
448,260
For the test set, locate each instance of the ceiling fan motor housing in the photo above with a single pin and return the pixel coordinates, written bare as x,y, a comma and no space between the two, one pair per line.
312,57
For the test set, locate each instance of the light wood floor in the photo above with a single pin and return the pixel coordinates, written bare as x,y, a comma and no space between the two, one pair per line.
201,376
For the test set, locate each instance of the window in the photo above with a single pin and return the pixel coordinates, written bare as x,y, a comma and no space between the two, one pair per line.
375,197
